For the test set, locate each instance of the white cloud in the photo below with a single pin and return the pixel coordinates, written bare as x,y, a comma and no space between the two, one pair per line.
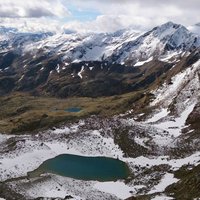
142,14
195,28
108,23
32,24
113,14
32,8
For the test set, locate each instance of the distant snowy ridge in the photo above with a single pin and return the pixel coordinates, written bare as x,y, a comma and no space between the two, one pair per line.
125,47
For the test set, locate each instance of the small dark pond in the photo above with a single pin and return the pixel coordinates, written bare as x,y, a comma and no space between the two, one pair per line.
73,110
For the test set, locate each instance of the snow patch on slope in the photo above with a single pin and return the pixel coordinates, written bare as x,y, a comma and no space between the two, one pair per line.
80,73
174,127
119,189
161,114
175,164
167,180
140,63
167,93
162,197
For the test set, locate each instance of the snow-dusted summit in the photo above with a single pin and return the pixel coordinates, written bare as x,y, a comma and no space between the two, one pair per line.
158,42
125,46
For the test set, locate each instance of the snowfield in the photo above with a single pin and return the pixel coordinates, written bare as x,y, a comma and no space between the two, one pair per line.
167,180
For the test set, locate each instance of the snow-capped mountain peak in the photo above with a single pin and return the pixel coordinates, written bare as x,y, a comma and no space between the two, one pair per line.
161,40
177,36
166,29
124,46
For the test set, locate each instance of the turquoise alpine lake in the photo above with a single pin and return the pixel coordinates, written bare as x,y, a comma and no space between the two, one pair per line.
84,168
73,109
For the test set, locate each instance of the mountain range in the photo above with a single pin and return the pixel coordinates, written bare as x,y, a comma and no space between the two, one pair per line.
34,62
137,96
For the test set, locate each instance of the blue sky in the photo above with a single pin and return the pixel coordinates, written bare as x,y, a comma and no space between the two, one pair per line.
81,14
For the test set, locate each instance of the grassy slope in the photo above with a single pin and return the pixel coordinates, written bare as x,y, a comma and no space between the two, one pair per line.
21,112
